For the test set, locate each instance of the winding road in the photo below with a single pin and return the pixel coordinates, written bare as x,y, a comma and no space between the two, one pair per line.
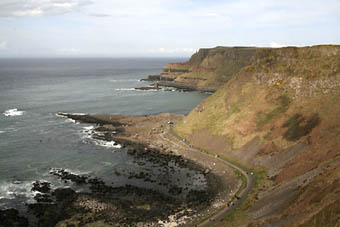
236,202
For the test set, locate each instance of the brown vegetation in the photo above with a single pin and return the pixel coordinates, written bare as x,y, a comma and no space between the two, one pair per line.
281,113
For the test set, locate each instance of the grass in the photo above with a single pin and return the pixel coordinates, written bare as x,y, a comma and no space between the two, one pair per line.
264,118
214,111
239,214
304,62
243,180
308,63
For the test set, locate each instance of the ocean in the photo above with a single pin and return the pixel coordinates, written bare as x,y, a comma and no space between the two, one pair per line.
34,139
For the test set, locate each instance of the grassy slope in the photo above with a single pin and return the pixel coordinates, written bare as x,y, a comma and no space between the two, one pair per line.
285,97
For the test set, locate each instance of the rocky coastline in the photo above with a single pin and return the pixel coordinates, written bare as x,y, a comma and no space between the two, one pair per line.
161,81
100,204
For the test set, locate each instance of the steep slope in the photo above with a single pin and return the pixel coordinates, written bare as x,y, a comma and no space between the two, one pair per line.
280,116
208,69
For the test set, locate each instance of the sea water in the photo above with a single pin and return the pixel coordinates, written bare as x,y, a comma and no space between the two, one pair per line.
34,139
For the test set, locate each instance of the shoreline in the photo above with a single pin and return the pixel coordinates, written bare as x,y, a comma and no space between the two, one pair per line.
153,132
157,81
147,138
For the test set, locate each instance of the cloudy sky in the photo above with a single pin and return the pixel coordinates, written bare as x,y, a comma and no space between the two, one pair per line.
126,28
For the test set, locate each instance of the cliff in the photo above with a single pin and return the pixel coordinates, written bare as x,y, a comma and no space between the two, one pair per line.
207,69
278,114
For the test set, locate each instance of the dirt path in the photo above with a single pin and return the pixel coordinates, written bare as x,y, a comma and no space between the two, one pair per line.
242,195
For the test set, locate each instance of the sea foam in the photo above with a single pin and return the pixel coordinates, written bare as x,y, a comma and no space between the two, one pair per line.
125,89
11,190
89,137
128,80
13,112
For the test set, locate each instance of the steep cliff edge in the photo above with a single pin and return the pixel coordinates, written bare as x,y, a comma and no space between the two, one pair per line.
279,114
207,69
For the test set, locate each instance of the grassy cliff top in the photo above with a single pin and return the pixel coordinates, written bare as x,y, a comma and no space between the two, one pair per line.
307,62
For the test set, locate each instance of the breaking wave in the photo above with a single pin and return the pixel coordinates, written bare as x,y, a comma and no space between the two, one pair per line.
11,190
13,112
128,80
125,89
89,137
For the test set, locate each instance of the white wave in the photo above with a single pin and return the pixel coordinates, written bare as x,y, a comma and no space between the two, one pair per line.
107,163
127,80
89,134
125,89
108,144
148,90
89,127
13,112
70,120
61,114
74,172
2,132
79,114
16,189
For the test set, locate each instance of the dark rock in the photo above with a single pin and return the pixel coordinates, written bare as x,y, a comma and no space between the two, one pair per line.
43,198
11,218
147,88
174,190
65,195
65,175
41,186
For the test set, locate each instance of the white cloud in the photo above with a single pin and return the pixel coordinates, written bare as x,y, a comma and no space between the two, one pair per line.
37,8
3,45
163,50
28,12
276,45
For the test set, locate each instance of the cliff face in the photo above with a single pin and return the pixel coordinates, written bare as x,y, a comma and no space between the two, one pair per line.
208,69
280,116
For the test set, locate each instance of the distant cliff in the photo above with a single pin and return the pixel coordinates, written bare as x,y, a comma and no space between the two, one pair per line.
208,69
276,111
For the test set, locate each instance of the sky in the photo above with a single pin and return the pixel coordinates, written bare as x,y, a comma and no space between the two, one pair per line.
160,28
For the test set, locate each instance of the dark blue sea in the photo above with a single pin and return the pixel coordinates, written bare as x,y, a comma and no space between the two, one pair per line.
33,139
